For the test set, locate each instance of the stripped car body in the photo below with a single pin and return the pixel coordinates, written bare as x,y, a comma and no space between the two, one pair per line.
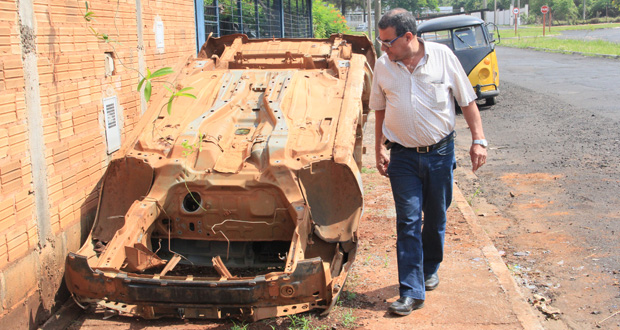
245,202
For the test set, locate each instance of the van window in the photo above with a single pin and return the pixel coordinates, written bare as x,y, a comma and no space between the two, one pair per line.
469,37
441,36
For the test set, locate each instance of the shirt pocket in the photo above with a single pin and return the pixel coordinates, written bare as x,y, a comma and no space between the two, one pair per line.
440,93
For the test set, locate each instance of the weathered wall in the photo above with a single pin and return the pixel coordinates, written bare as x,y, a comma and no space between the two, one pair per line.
52,136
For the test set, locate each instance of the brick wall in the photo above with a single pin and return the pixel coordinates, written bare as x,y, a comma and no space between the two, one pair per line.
71,85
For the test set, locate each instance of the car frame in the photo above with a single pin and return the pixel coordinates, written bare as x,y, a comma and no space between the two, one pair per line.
244,202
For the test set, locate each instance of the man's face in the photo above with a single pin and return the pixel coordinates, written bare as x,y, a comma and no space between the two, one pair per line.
399,49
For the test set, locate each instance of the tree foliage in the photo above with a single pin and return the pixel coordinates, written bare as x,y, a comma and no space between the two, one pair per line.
565,10
327,19
414,6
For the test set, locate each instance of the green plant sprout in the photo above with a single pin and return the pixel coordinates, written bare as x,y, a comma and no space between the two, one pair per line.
146,81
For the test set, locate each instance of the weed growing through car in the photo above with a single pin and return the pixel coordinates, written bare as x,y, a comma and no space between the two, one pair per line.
241,326
299,322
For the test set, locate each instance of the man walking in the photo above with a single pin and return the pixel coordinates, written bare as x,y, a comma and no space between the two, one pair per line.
414,89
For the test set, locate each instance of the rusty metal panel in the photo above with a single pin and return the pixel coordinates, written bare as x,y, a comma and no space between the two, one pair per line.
258,218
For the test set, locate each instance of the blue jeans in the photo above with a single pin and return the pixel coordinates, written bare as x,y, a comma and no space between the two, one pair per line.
421,182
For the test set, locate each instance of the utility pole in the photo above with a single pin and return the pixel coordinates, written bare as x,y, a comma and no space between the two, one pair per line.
584,11
369,27
495,12
376,26
518,21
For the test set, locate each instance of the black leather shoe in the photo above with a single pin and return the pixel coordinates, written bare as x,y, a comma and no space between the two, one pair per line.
431,282
405,305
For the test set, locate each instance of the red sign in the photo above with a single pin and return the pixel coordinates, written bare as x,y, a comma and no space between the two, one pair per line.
544,9
515,10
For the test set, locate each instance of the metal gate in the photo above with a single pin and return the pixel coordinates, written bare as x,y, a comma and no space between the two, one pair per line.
256,18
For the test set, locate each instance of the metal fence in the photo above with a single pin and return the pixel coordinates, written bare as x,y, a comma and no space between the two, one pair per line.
258,18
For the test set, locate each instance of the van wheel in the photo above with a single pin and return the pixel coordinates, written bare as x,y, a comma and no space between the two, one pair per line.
490,101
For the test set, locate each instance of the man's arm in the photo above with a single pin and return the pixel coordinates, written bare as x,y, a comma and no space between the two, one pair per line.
381,153
477,152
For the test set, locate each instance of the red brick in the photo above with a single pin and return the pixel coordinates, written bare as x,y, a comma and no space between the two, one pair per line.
56,196
79,120
12,62
51,137
27,177
17,129
68,212
4,137
18,249
65,133
17,242
14,83
8,176
23,203
8,117
13,73
24,214
72,103
10,167
33,239
7,218
69,189
17,138
18,148
11,186
5,99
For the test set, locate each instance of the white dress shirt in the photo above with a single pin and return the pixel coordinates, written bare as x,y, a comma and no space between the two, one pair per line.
419,105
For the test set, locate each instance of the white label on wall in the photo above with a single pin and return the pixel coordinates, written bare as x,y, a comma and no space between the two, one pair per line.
112,130
159,35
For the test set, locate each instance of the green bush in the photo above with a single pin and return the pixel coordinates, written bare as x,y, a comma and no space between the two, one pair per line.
327,19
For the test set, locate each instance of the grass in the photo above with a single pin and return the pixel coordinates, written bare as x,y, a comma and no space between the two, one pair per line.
241,326
471,200
566,45
299,322
366,170
348,319
531,37
536,30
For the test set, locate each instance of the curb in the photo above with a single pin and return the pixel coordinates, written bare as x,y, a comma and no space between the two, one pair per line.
517,300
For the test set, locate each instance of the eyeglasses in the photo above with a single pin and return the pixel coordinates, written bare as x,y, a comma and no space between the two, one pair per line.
388,44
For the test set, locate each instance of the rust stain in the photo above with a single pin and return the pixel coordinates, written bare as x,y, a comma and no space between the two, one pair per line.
244,202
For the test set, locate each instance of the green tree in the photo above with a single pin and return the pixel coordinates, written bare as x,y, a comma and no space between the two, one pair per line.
414,6
327,19
564,10
345,5
605,8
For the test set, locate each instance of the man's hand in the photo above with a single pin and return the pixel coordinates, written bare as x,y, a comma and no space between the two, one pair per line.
383,160
478,156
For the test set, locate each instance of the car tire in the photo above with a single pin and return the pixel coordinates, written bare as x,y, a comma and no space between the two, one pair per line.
490,101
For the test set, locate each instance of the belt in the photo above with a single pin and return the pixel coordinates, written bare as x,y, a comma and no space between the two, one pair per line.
426,149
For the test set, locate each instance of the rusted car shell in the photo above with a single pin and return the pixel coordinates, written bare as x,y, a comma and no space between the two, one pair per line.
244,202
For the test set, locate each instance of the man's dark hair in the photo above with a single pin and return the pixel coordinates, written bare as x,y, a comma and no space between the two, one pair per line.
400,19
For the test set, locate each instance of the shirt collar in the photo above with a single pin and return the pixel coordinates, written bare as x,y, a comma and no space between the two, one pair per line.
423,60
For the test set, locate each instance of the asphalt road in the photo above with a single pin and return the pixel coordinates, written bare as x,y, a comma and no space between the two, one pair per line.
585,82
611,35
553,176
